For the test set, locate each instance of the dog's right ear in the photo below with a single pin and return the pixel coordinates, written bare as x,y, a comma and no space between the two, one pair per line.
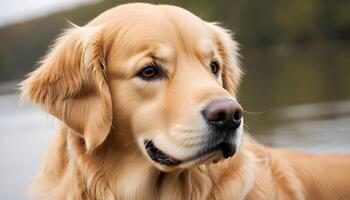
71,84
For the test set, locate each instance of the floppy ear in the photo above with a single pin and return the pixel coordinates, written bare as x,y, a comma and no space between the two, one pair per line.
228,49
71,84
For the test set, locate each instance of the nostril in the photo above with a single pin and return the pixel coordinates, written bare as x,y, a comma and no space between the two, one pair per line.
237,118
238,115
221,117
215,116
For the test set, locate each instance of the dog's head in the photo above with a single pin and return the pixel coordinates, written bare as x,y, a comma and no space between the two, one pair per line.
158,78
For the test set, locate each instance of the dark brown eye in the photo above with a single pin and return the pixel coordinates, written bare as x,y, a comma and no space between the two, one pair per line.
153,71
214,65
149,72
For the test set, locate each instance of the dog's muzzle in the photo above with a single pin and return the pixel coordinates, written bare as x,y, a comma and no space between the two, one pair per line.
223,118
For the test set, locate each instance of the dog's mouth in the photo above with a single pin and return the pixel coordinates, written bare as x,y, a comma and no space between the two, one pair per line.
158,156
228,149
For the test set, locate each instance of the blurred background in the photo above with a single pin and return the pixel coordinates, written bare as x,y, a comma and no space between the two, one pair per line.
296,56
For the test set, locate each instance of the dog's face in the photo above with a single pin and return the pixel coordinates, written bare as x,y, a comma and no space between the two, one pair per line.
164,79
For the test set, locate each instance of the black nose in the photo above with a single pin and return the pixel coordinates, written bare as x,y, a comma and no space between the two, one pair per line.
223,113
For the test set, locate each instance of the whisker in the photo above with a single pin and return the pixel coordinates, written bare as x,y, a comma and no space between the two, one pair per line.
255,113
245,126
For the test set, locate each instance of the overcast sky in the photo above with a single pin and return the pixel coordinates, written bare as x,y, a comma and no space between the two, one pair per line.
19,10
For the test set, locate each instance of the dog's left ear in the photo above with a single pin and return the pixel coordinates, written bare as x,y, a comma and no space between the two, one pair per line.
228,49
71,84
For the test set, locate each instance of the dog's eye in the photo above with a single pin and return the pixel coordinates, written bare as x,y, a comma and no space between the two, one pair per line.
152,71
214,65
149,72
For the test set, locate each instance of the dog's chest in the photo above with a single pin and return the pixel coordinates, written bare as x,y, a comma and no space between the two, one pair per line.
147,184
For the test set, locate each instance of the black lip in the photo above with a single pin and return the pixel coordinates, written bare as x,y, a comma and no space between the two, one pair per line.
159,156
228,149
225,141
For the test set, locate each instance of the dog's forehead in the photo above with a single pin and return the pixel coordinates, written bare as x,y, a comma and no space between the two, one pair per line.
137,26
136,14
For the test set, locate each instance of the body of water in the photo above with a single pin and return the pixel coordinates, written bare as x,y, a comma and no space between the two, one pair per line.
25,132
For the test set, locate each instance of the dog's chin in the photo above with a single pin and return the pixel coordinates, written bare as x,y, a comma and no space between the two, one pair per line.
166,162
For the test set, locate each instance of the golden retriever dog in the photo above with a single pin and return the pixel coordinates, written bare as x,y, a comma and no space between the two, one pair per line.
146,97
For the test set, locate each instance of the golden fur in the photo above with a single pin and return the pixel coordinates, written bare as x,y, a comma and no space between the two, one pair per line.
88,82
